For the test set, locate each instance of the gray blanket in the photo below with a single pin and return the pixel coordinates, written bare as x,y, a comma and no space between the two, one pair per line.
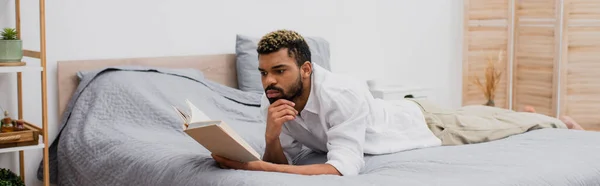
120,129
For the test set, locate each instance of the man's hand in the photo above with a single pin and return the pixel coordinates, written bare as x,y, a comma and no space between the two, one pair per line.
279,112
230,164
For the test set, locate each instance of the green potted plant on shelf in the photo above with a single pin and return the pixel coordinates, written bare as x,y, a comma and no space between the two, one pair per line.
9,178
11,47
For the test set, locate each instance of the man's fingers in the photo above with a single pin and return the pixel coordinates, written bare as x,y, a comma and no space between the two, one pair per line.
284,107
224,162
227,163
285,112
282,102
292,109
285,101
220,161
281,107
275,108
284,118
286,115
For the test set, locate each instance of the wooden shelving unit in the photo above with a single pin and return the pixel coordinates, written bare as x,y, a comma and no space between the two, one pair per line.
22,68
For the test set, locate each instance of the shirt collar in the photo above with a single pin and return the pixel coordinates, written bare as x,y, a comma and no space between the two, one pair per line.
312,105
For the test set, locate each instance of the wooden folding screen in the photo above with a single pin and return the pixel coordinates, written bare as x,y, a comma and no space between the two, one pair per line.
536,48
486,33
553,52
580,64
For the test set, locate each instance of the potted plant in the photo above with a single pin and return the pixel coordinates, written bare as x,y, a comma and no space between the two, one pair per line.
492,76
11,47
9,178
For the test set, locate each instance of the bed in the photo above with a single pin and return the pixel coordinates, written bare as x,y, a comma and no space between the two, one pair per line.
118,128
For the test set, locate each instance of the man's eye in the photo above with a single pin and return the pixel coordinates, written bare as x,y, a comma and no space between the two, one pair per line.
263,73
280,71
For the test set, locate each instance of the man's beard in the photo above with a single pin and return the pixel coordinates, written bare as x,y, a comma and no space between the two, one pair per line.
294,92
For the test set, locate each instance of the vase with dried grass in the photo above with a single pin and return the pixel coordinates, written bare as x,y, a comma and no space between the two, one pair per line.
492,74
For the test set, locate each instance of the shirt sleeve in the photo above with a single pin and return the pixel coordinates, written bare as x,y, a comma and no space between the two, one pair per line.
291,147
346,136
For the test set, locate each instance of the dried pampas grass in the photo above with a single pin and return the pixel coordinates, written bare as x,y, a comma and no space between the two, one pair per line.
492,74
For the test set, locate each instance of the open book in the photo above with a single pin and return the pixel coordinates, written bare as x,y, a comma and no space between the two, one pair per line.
215,135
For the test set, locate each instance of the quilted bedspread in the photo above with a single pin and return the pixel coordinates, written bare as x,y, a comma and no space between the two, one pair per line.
120,129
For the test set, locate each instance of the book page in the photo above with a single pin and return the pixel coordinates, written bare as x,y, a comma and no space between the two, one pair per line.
184,117
203,124
196,114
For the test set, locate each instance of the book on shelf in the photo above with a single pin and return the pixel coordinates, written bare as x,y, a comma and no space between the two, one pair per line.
215,135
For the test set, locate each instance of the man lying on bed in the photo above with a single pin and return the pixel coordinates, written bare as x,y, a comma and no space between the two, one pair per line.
306,105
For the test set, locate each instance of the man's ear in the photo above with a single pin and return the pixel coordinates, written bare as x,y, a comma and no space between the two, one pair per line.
306,69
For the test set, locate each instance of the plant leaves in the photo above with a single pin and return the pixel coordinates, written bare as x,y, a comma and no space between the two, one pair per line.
9,34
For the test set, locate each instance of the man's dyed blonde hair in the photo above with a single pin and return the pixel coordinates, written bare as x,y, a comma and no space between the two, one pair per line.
294,42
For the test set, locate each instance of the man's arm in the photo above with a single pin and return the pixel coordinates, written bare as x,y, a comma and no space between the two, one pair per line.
274,152
348,117
276,140
316,169
282,149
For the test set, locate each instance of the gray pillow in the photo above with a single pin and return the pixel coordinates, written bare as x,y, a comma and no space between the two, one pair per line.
247,60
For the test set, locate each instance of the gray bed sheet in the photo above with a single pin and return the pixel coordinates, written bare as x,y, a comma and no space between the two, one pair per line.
120,129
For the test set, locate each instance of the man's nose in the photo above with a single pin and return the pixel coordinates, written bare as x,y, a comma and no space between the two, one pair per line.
269,80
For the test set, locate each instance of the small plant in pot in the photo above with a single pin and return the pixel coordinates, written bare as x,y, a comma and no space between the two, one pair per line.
11,47
492,74
9,178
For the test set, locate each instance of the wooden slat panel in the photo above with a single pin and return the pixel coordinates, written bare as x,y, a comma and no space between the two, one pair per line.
534,75
535,8
489,9
580,70
584,38
583,9
486,25
535,56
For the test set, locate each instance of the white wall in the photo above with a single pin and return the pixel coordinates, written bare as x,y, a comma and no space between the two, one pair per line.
422,41
403,42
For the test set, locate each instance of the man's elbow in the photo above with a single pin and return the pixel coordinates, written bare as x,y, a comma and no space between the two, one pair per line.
322,169
339,169
332,170
337,173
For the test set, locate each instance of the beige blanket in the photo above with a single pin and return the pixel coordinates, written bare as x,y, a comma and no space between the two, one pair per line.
478,123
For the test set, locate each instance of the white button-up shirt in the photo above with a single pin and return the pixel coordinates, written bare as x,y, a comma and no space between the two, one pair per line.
342,119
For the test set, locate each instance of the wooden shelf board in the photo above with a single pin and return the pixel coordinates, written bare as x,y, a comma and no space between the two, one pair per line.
17,149
11,69
4,64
